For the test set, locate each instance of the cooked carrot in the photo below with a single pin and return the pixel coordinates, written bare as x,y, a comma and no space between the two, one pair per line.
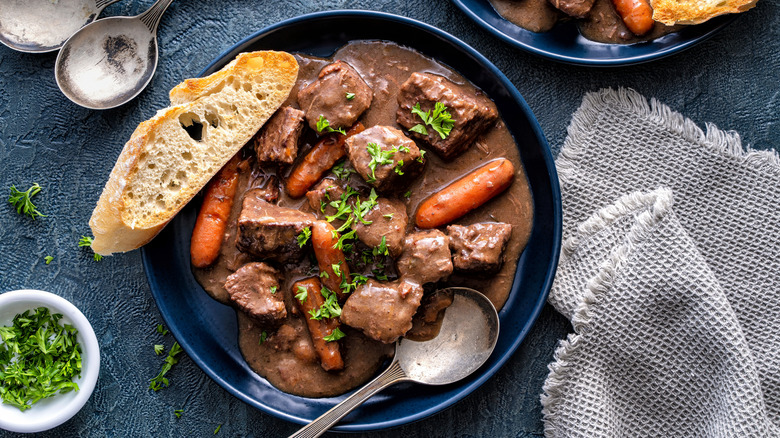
636,14
328,352
211,222
324,155
465,194
324,239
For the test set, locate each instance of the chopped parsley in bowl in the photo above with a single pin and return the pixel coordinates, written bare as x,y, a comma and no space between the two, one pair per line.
49,360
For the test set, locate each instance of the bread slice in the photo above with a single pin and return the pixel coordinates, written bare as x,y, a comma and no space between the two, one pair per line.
164,165
671,12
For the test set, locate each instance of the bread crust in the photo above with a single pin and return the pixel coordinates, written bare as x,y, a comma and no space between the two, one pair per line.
671,12
115,222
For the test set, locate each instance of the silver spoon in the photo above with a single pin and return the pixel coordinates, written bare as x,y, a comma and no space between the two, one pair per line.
109,62
467,337
38,26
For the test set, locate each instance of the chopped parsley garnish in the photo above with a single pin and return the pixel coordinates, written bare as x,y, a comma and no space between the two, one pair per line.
162,330
350,96
324,125
348,286
441,121
362,208
329,309
87,241
324,274
389,215
378,158
303,238
158,349
421,158
178,412
22,201
399,167
274,289
342,172
38,358
341,244
216,431
48,259
381,249
408,194
302,294
335,335
159,380
263,337
336,268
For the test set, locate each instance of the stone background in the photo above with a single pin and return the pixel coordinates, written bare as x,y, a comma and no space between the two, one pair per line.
732,80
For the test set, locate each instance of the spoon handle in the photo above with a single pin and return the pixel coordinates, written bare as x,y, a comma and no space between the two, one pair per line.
393,374
151,18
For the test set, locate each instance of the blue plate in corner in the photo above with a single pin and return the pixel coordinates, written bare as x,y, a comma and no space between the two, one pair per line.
564,43
207,330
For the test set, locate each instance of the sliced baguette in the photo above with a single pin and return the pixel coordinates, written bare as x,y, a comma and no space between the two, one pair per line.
671,12
162,166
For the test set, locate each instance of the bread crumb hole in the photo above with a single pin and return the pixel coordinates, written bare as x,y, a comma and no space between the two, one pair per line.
260,96
192,124
187,155
151,166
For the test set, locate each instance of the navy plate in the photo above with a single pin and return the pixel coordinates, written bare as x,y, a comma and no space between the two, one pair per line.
208,331
564,43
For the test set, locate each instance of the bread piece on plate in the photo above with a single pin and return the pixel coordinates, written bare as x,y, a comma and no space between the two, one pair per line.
671,12
164,165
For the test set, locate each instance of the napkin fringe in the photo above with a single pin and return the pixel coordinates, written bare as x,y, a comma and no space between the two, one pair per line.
652,208
595,103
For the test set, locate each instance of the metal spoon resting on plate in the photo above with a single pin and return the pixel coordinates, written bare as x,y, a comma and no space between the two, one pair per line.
467,337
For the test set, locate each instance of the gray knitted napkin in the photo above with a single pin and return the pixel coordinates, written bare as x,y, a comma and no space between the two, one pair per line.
670,276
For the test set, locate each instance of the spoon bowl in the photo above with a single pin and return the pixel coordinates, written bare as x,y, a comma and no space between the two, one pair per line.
109,62
39,26
467,337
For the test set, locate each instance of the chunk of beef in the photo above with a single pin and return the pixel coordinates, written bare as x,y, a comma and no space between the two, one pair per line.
385,157
426,257
472,113
254,288
278,141
268,231
322,194
382,311
267,190
427,321
388,219
329,96
574,8
479,247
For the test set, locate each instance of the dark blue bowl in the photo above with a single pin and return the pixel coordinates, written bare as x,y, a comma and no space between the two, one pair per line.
565,44
207,330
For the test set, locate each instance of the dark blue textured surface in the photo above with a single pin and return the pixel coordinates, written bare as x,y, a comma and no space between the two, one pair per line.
564,42
190,312
731,80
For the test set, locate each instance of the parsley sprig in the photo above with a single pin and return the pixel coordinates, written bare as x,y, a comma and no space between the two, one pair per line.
441,121
156,383
22,201
335,335
324,125
38,358
329,309
87,241
304,236
381,157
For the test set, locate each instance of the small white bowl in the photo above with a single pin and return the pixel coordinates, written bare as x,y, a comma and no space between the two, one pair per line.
55,410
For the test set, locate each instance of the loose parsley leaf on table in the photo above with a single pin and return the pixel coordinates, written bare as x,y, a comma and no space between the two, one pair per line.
86,241
158,349
22,201
178,412
48,259
156,383
441,121
38,358
162,330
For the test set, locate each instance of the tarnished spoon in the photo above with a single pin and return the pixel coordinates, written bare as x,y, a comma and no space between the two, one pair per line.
109,62
468,335
38,26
